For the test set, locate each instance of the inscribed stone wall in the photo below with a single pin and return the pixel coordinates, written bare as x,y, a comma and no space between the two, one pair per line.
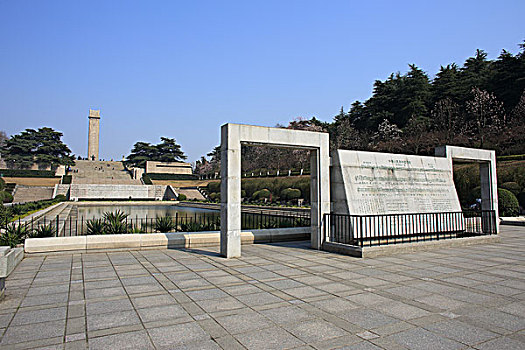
368,183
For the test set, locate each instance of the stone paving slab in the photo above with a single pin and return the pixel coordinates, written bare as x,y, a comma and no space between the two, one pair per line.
277,296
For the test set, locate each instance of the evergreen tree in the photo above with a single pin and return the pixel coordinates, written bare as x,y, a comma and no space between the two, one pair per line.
507,78
43,147
166,151
445,84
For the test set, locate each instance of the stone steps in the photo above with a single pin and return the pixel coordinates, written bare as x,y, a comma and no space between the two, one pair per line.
101,172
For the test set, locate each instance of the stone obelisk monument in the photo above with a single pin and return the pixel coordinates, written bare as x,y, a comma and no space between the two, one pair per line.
94,124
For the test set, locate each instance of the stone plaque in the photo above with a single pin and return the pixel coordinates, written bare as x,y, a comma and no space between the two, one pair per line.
369,183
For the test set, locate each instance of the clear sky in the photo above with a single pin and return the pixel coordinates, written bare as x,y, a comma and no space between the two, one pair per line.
183,68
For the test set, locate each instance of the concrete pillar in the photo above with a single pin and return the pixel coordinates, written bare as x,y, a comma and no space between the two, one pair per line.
489,191
93,134
319,192
488,176
230,192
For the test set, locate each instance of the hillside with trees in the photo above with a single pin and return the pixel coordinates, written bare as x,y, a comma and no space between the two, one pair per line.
480,104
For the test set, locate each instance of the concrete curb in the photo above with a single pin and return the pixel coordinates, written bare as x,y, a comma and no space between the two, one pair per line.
513,221
157,240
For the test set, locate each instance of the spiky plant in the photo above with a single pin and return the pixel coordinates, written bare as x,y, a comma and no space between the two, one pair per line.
115,222
95,226
164,224
43,231
14,234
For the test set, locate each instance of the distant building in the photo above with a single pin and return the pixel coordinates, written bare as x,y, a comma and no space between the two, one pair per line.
168,168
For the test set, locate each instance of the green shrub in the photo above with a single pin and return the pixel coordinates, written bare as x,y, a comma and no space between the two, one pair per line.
507,203
261,194
182,197
513,171
511,186
43,231
146,179
243,194
164,224
290,193
214,196
95,226
2,184
304,185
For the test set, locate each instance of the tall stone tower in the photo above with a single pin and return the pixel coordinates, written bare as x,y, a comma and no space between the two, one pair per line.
94,124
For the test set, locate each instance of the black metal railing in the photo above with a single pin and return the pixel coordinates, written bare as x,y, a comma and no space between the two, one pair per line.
58,226
370,230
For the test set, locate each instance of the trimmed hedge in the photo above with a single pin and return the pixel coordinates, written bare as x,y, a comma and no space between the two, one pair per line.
276,186
507,203
157,176
27,173
291,193
264,193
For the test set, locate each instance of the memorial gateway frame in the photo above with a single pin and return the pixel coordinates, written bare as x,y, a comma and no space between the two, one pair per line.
235,135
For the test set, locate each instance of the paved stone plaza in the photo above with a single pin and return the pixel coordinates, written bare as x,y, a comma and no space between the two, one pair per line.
274,297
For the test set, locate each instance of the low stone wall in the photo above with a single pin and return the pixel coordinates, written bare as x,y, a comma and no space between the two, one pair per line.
158,240
390,249
9,258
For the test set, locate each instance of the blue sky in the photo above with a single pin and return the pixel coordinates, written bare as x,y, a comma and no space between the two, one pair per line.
183,68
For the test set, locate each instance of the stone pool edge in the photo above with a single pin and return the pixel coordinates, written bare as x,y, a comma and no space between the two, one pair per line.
157,240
